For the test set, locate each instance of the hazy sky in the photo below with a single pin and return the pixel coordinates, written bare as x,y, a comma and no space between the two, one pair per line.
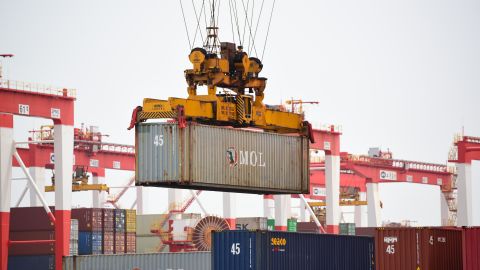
402,75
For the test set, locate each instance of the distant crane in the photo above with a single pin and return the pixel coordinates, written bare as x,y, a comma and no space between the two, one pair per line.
295,102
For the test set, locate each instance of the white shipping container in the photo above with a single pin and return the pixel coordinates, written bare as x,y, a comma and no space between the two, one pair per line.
221,158
251,223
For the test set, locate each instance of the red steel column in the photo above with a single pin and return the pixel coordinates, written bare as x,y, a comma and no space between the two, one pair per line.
6,147
63,149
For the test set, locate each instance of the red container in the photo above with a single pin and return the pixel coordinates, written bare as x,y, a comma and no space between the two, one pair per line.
89,219
307,227
32,249
471,248
130,242
108,243
119,243
418,248
30,219
108,220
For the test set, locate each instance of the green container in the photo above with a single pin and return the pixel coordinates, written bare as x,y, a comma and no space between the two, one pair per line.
347,228
271,224
292,225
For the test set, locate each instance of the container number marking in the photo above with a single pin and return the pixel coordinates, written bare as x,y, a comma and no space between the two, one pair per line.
278,241
235,249
390,249
158,140
23,109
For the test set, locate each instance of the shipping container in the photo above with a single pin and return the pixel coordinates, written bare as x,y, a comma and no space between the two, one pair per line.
30,219
158,261
287,250
418,248
89,219
90,243
251,223
130,242
38,262
108,242
148,225
119,220
130,221
291,225
347,228
221,159
271,224
365,231
108,220
471,248
32,249
150,244
307,227
119,243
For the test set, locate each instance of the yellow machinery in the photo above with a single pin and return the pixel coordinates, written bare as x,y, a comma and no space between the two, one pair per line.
239,104
79,182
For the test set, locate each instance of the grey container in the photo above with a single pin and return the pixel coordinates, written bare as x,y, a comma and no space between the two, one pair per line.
221,159
185,261
251,223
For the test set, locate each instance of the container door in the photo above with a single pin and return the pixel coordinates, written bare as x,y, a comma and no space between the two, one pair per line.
234,251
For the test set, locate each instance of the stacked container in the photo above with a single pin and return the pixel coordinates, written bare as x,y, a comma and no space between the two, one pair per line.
108,231
74,237
286,250
119,231
307,227
251,223
471,248
90,226
418,248
130,230
347,228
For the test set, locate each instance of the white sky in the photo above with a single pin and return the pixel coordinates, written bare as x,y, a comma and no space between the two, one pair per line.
402,75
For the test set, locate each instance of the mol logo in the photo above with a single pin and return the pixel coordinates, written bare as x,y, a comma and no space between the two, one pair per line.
232,156
245,158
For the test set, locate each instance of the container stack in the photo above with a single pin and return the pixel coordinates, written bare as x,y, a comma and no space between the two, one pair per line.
108,231
130,231
251,223
32,223
90,226
119,231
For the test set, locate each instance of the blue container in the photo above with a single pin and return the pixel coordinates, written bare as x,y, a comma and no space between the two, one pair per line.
90,243
46,262
267,250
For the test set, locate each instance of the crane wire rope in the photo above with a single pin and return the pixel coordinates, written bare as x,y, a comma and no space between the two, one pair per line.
251,37
186,27
258,22
198,21
249,26
246,18
268,29
235,9
231,19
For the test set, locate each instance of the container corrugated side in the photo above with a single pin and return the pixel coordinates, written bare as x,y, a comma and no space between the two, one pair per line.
130,220
30,219
251,223
45,262
90,243
471,248
307,227
185,261
413,248
148,244
32,249
219,158
108,220
89,219
108,242
238,250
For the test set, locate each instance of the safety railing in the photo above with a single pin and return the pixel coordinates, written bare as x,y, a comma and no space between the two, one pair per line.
398,163
38,88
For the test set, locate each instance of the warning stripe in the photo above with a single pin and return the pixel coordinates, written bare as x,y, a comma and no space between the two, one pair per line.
154,115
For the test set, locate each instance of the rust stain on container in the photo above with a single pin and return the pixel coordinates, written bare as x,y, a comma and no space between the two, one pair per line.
220,158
